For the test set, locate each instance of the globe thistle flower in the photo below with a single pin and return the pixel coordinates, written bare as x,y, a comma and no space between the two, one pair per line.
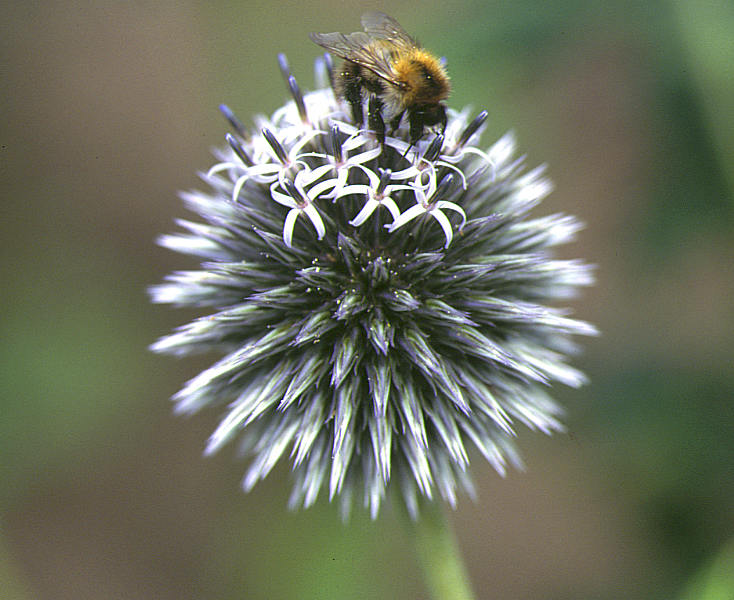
379,309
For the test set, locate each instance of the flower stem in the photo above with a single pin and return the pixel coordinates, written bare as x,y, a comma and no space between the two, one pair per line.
438,553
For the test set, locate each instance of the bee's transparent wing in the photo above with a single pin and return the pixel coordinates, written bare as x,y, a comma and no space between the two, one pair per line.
349,47
381,26
359,48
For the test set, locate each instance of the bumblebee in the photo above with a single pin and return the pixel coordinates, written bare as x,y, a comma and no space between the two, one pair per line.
394,71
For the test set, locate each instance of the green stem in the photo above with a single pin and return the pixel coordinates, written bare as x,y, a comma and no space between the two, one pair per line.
438,553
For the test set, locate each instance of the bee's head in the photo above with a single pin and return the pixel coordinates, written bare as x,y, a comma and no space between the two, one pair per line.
432,114
425,115
423,76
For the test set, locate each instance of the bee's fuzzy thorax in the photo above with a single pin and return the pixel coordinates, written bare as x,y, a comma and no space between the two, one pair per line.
424,77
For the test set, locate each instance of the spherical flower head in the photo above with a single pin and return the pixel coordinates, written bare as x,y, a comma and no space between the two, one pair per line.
380,309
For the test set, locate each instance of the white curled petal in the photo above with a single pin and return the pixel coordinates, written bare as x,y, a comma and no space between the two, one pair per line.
398,145
282,198
288,225
224,166
356,137
262,173
478,152
390,205
445,204
264,170
286,171
306,177
360,188
315,218
238,186
411,171
391,188
407,216
364,156
304,140
371,175
343,173
320,155
321,187
453,168
423,193
341,180
443,220
364,214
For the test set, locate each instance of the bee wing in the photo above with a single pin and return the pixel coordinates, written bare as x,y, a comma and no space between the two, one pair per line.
381,26
349,47
359,48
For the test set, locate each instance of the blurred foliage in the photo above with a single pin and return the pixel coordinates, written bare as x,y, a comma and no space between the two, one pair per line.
716,580
110,108
669,445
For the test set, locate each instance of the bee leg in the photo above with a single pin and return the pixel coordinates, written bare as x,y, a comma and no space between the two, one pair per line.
416,126
351,85
395,122
374,118
442,119
357,113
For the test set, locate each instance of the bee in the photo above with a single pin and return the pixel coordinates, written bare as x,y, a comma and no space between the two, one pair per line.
394,71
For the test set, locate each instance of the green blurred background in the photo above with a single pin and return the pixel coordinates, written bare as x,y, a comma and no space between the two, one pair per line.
109,108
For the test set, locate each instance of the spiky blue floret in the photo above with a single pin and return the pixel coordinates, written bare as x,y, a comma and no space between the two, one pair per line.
380,310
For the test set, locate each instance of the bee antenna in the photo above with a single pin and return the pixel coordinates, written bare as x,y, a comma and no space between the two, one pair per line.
405,154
